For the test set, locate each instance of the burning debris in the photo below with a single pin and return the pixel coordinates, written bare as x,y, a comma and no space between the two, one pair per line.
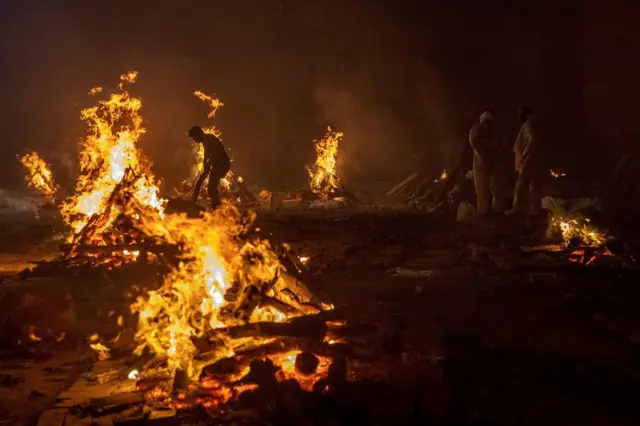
578,231
39,175
584,240
556,174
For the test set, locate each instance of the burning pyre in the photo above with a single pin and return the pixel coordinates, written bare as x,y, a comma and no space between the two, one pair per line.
39,175
323,177
578,233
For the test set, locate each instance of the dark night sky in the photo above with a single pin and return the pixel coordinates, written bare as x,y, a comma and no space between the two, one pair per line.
403,79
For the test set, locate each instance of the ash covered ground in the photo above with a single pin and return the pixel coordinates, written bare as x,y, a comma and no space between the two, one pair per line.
487,332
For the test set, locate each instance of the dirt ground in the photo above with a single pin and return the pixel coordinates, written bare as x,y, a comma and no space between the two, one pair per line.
491,335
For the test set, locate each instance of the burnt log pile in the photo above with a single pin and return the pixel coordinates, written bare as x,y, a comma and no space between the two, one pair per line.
250,387
439,190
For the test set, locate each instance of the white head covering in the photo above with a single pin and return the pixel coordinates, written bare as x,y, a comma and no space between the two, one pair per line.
486,116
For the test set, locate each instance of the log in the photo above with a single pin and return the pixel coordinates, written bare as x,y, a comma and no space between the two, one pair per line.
98,249
110,404
310,327
404,184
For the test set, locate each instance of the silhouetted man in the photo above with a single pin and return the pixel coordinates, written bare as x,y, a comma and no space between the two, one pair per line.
216,164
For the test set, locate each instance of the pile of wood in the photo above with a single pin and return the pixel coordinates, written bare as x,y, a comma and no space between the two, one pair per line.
426,186
238,193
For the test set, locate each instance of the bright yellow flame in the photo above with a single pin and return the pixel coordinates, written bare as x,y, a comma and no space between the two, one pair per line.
115,176
103,351
39,175
303,259
133,375
201,294
442,176
323,177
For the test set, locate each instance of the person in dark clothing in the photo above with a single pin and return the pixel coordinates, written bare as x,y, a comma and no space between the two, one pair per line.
216,164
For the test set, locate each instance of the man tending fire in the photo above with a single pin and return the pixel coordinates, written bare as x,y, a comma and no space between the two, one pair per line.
216,164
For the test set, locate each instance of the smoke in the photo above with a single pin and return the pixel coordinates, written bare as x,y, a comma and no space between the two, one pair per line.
375,142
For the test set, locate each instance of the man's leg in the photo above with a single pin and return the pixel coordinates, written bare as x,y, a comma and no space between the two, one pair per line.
497,190
521,192
214,191
535,195
483,189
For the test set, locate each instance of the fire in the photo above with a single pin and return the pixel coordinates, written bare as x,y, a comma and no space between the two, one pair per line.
304,259
32,334
223,279
206,292
103,351
555,174
287,363
579,229
115,177
323,177
39,174
442,176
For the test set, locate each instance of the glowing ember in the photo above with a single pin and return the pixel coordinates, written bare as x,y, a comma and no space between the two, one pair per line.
555,174
115,177
442,176
133,375
323,177
304,259
32,335
287,363
39,175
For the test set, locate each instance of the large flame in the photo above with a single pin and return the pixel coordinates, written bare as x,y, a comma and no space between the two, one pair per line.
323,177
39,174
112,166
203,293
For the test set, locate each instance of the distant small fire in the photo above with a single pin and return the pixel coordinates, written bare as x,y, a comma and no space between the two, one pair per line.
556,174
323,176
443,176
39,174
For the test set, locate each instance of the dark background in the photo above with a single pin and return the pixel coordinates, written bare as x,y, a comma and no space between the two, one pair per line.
403,79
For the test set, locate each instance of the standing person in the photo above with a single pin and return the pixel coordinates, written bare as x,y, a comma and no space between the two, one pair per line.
216,164
485,145
528,165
